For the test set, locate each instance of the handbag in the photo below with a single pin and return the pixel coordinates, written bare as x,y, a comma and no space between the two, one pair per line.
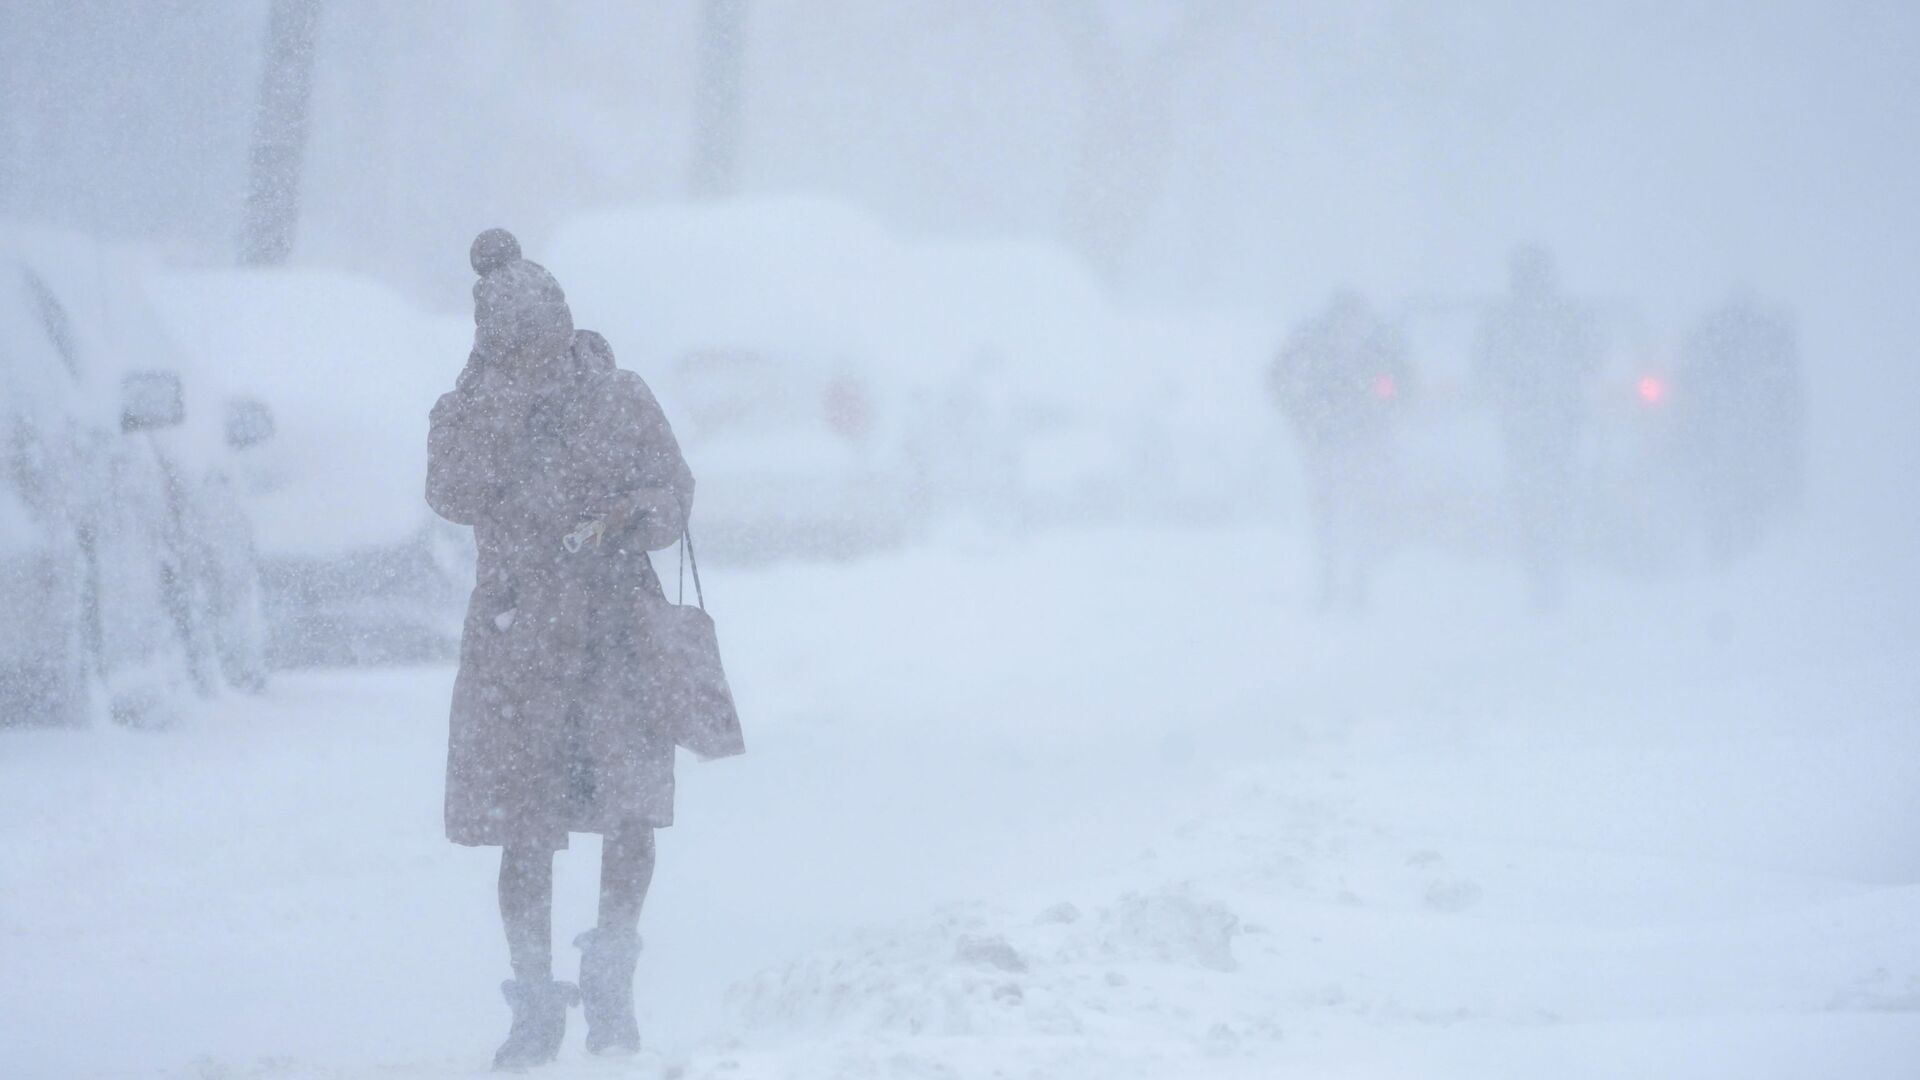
687,695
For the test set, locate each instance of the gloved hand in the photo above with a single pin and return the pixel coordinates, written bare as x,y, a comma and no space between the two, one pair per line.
626,510
616,515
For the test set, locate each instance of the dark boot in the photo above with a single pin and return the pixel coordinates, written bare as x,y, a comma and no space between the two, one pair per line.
607,960
539,1022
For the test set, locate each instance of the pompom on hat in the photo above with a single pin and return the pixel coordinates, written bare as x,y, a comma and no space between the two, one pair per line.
492,250
517,305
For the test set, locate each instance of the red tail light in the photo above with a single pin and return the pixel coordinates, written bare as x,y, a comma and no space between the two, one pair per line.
1652,389
1383,387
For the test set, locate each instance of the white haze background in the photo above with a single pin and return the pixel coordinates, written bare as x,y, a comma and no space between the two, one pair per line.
1669,831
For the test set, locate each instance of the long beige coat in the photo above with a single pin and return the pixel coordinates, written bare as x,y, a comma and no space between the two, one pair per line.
547,735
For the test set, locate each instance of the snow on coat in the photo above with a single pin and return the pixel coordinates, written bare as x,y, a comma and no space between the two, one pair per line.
547,735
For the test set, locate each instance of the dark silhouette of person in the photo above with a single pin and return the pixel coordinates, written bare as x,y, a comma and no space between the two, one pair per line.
1537,351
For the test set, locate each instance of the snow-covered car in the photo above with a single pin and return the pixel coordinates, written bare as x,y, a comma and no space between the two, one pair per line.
1641,513
355,569
790,458
986,375
126,570
1629,498
779,336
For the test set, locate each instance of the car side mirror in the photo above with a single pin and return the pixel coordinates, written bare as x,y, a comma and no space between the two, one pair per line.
249,423
150,400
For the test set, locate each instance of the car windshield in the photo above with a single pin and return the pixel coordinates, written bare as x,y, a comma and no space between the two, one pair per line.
53,319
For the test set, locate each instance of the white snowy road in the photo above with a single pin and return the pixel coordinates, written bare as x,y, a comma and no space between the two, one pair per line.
1109,804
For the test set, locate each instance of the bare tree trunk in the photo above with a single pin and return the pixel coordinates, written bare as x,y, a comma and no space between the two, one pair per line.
280,134
717,97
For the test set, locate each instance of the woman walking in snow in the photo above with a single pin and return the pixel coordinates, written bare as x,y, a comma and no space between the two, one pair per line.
569,474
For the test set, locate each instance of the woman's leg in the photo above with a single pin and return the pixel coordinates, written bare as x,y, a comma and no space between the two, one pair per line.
626,872
526,910
539,1004
610,951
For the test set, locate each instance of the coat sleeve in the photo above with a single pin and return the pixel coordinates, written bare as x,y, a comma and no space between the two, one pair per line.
642,454
461,485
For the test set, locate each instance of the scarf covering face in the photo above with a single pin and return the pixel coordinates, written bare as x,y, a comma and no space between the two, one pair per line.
519,309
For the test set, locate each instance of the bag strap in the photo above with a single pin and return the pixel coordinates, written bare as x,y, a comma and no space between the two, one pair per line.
686,537
687,556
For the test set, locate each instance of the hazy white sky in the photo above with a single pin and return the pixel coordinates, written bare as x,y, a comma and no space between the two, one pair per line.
1234,152
1399,144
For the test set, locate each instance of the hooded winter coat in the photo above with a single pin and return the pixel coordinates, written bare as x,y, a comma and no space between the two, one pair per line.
547,735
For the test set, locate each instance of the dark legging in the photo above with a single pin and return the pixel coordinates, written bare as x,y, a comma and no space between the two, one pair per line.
526,896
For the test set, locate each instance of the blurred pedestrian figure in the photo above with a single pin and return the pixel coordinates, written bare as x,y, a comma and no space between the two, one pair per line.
1536,353
569,474
1337,382
1741,410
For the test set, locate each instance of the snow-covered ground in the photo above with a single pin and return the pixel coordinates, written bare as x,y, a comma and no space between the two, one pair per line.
1103,804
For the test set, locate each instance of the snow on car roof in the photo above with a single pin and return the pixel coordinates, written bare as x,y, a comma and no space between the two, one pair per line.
779,276
80,314
350,370
799,276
